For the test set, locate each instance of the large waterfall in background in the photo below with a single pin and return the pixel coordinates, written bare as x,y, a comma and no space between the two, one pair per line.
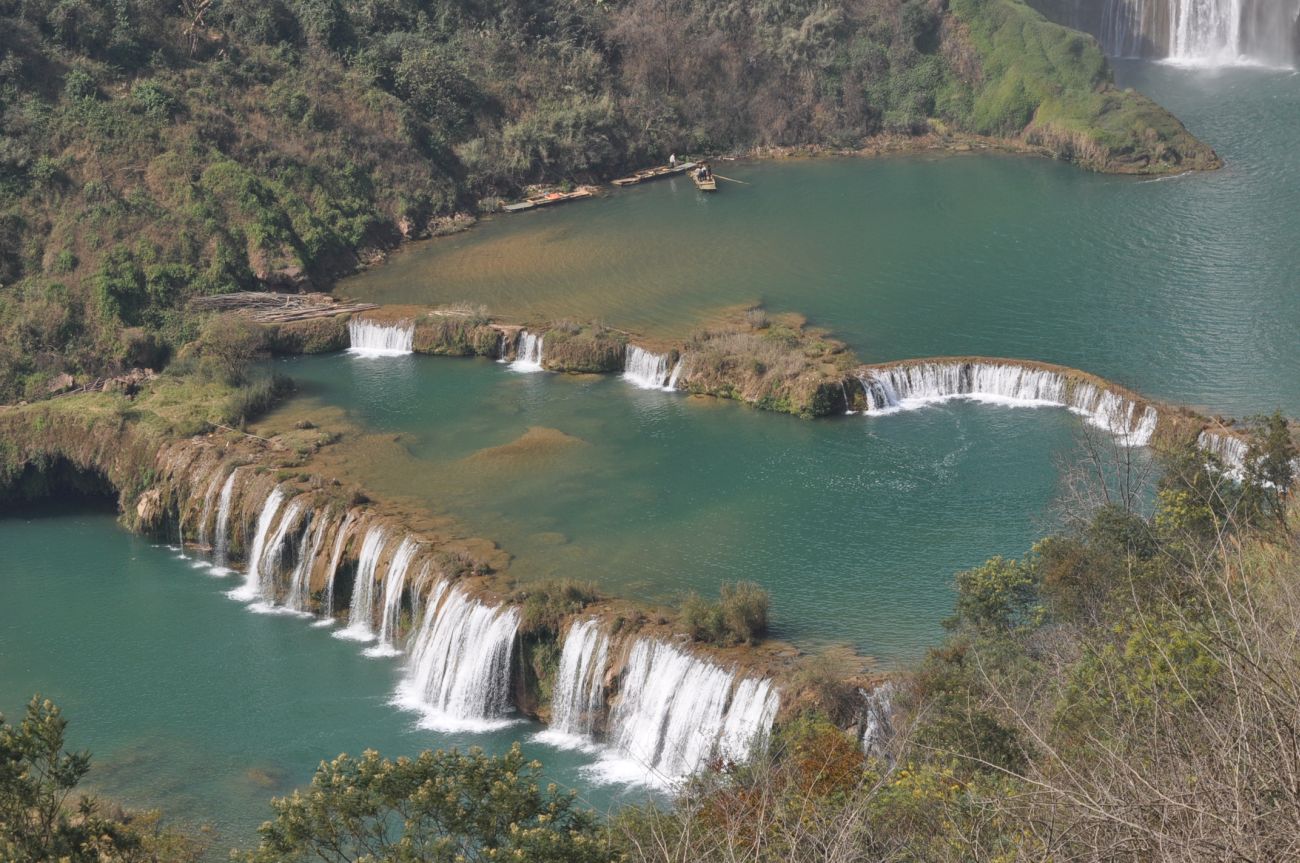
907,387
370,339
675,711
1198,32
459,671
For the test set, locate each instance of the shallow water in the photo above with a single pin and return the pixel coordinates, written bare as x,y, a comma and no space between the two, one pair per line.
1185,288
855,524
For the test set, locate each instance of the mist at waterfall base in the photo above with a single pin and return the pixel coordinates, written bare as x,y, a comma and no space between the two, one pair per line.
188,702
855,524
1183,288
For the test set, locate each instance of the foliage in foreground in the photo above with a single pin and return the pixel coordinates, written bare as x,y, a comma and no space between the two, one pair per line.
439,806
42,819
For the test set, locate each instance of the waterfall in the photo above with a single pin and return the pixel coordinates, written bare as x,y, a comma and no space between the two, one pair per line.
675,711
906,387
298,596
677,373
362,611
1204,33
578,698
877,725
391,611
458,674
252,587
528,352
648,371
222,548
1231,451
370,339
204,535
336,557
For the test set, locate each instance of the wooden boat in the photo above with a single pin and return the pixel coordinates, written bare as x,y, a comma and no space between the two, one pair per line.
709,184
548,198
654,173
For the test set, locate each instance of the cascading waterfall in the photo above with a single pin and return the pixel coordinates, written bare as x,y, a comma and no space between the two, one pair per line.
1201,32
578,698
1115,414
677,373
1231,451
676,711
877,725
371,339
906,387
390,612
222,549
528,352
209,498
252,587
458,675
362,611
336,557
298,596
649,371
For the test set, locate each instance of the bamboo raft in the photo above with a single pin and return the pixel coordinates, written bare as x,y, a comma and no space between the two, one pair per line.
705,185
546,199
654,173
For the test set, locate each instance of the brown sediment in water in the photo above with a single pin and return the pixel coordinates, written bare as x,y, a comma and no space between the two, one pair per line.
538,442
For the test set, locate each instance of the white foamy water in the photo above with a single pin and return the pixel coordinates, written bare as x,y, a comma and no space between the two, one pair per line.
458,674
370,339
361,613
675,711
528,352
908,387
649,371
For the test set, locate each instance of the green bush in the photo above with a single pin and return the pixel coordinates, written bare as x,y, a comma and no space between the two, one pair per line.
738,617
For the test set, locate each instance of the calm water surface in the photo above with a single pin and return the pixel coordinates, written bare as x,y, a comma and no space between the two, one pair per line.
855,524
1185,288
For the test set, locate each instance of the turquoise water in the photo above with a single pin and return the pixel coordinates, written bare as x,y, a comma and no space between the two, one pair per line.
1185,288
855,524
187,701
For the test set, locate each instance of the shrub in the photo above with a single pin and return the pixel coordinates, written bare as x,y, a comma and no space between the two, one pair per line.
547,604
740,615
230,344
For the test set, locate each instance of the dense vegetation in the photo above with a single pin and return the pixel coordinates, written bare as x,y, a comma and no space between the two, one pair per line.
153,150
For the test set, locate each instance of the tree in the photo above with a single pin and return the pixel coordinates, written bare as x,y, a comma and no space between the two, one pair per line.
38,778
1271,464
231,344
440,806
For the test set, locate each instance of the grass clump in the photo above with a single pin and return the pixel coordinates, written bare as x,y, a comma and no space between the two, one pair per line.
738,617
544,606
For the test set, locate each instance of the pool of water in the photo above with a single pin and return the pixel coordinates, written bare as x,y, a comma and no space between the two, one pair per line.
1185,288
855,524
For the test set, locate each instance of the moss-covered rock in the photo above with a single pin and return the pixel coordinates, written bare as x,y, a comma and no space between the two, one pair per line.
583,349
456,336
312,336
